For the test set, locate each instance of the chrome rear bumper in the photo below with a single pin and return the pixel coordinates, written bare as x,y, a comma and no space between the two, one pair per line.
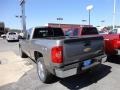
62,74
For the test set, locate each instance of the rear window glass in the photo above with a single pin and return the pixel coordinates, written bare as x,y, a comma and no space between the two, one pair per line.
89,31
12,33
47,32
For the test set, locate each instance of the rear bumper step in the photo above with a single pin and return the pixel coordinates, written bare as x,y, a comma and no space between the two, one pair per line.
66,73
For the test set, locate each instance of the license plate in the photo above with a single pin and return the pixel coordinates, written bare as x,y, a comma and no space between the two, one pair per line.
87,63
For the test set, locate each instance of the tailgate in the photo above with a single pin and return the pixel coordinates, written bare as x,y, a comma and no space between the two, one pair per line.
12,36
84,48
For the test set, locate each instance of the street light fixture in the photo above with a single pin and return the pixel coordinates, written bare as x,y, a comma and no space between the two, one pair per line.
84,21
18,16
59,19
89,8
102,21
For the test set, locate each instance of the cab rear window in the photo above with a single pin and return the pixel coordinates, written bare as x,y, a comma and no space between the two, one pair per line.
47,32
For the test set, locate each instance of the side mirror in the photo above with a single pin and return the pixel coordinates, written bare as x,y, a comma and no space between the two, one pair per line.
21,37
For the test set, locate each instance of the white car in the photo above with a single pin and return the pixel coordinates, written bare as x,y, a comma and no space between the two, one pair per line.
12,36
3,36
115,31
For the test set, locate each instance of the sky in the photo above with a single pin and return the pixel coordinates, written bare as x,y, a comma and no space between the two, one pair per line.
41,12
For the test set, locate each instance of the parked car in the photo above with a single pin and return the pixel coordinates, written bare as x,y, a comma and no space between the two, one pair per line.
12,36
3,36
115,31
57,55
112,45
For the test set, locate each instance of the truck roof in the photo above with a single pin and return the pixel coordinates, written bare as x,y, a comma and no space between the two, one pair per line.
45,27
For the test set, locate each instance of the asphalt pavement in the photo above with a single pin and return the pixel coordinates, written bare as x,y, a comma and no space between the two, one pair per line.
103,77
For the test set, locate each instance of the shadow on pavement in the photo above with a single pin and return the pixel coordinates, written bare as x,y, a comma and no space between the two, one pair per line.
80,81
30,80
114,59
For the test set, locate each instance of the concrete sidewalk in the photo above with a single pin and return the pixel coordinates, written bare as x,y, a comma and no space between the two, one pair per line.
12,67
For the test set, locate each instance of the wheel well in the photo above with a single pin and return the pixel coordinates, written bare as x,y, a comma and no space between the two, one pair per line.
37,55
19,46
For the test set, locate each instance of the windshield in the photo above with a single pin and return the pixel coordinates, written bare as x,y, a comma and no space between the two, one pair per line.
72,32
68,33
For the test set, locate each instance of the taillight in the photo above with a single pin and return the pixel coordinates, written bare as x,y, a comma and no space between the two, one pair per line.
57,54
116,44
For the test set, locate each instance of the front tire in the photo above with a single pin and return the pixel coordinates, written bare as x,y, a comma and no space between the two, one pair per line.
8,40
112,58
44,75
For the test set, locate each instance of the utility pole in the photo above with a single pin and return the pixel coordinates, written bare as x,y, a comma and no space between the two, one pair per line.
22,5
114,12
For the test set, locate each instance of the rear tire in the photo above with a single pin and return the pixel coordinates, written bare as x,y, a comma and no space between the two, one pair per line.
44,75
22,54
110,58
4,37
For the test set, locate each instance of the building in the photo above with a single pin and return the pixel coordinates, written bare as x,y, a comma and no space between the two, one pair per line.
66,27
6,29
2,28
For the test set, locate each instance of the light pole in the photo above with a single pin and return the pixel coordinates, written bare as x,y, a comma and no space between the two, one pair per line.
89,8
22,5
59,19
114,12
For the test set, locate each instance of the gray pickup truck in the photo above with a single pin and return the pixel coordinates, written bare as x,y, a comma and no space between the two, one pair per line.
59,55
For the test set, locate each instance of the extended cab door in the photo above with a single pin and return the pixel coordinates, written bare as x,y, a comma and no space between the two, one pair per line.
26,42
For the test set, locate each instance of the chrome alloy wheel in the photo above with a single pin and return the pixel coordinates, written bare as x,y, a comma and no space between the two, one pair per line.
41,71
